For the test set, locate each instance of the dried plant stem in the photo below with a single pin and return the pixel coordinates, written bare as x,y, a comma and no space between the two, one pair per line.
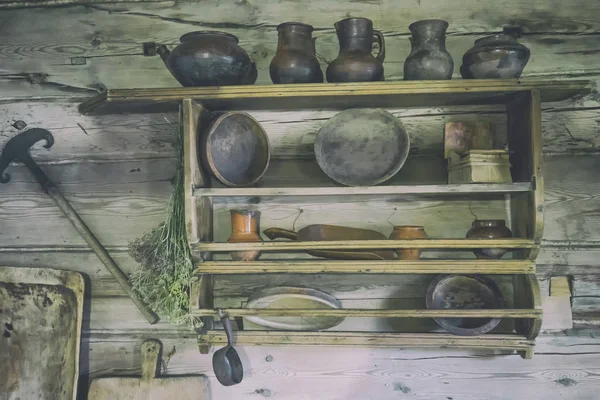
163,277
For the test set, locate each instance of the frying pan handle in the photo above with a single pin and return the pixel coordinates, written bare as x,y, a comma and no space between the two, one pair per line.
274,233
227,326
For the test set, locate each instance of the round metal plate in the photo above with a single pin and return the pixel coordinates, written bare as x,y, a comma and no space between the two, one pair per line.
362,146
452,292
294,297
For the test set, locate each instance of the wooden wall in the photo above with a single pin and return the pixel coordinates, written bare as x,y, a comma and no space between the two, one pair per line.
117,171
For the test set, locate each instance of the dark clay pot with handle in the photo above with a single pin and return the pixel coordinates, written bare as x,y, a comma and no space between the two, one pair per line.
355,62
209,58
295,60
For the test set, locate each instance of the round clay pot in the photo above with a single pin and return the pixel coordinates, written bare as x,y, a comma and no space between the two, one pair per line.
489,229
209,58
244,229
495,57
408,232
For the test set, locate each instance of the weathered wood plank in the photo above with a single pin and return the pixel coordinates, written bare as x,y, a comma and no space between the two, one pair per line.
563,367
118,201
102,45
291,134
137,195
572,198
79,137
9,4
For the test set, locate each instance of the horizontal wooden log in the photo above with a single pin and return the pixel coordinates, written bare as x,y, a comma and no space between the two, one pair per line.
83,138
291,134
128,198
11,4
571,198
101,45
118,201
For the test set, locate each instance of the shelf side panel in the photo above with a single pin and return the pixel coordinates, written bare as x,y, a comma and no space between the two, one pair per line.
525,144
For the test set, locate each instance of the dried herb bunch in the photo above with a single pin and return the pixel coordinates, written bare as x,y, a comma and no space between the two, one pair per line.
163,276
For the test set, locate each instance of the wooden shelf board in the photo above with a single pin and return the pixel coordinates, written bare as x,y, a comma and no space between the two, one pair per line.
368,339
367,244
360,312
330,95
457,189
318,266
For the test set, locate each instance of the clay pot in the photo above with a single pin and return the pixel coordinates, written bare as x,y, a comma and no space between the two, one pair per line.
408,232
244,229
428,58
209,58
355,62
295,60
489,229
495,57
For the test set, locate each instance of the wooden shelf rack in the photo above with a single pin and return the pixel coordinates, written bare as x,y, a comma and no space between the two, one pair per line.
316,266
524,198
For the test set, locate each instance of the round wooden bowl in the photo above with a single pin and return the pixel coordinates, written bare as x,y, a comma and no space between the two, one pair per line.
452,292
236,149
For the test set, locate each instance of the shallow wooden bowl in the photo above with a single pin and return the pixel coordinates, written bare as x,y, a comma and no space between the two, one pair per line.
236,149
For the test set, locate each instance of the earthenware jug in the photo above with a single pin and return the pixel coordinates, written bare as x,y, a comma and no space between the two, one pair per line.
408,232
244,229
495,57
428,58
295,60
489,229
355,61
209,58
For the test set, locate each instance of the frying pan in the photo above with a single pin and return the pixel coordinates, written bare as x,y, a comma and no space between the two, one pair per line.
319,232
227,365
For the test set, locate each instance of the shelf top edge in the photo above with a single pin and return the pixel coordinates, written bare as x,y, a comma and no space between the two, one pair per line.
550,91
425,189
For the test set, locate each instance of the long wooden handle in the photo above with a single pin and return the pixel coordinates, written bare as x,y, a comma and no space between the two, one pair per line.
274,233
100,251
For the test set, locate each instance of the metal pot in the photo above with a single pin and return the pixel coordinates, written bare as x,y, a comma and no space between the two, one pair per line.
209,58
